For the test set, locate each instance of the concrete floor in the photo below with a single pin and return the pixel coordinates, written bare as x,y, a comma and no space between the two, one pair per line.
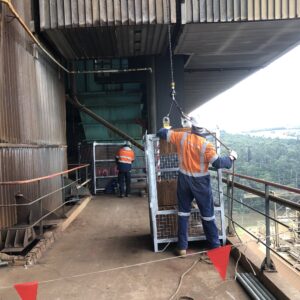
111,233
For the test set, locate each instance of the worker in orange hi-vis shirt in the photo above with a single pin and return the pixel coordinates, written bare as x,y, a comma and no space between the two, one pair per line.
195,154
124,159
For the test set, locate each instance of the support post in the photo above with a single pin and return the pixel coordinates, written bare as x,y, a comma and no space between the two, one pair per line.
41,208
267,264
230,229
62,192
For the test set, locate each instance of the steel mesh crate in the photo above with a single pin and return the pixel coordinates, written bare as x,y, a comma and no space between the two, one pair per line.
162,172
103,167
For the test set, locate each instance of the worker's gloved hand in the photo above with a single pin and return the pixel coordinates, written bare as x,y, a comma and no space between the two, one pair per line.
233,155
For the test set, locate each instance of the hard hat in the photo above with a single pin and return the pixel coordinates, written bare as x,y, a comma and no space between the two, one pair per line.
185,123
128,144
195,122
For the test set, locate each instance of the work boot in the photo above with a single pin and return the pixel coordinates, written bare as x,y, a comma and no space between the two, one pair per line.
127,195
180,252
121,196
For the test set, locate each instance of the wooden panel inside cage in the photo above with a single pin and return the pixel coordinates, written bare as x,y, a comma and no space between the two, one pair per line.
168,148
166,193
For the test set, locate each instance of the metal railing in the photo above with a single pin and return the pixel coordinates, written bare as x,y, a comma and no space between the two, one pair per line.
261,189
81,179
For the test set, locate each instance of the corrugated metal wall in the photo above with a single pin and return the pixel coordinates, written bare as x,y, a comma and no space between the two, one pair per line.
87,13
198,11
32,113
107,28
21,163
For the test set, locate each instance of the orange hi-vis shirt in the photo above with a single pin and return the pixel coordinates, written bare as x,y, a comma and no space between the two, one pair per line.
195,153
125,155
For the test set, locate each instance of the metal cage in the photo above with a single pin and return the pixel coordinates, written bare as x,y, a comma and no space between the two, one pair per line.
162,172
101,157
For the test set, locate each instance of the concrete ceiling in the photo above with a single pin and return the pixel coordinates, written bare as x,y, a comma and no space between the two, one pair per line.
222,54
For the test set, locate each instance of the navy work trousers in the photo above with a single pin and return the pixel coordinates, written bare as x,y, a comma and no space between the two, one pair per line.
198,188
124,177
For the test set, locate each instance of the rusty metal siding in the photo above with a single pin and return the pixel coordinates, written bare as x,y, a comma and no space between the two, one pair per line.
56,14
21,163
32,116
200,11
32,105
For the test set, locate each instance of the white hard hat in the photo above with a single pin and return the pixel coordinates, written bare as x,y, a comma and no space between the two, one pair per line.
185,123
195,122
128,144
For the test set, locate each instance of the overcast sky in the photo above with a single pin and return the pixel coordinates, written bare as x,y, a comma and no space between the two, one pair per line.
268,98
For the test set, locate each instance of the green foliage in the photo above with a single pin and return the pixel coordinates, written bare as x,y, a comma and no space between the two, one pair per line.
276,160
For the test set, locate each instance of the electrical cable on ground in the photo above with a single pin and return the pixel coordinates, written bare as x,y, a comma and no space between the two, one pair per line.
182,276
165,248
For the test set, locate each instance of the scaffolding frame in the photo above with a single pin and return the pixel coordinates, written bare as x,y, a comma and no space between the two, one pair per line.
154,172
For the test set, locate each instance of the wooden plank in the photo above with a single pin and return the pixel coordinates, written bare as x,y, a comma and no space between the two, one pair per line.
75,213
166,193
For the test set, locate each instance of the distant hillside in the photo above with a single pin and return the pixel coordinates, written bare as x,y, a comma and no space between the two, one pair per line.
273,159
280,133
